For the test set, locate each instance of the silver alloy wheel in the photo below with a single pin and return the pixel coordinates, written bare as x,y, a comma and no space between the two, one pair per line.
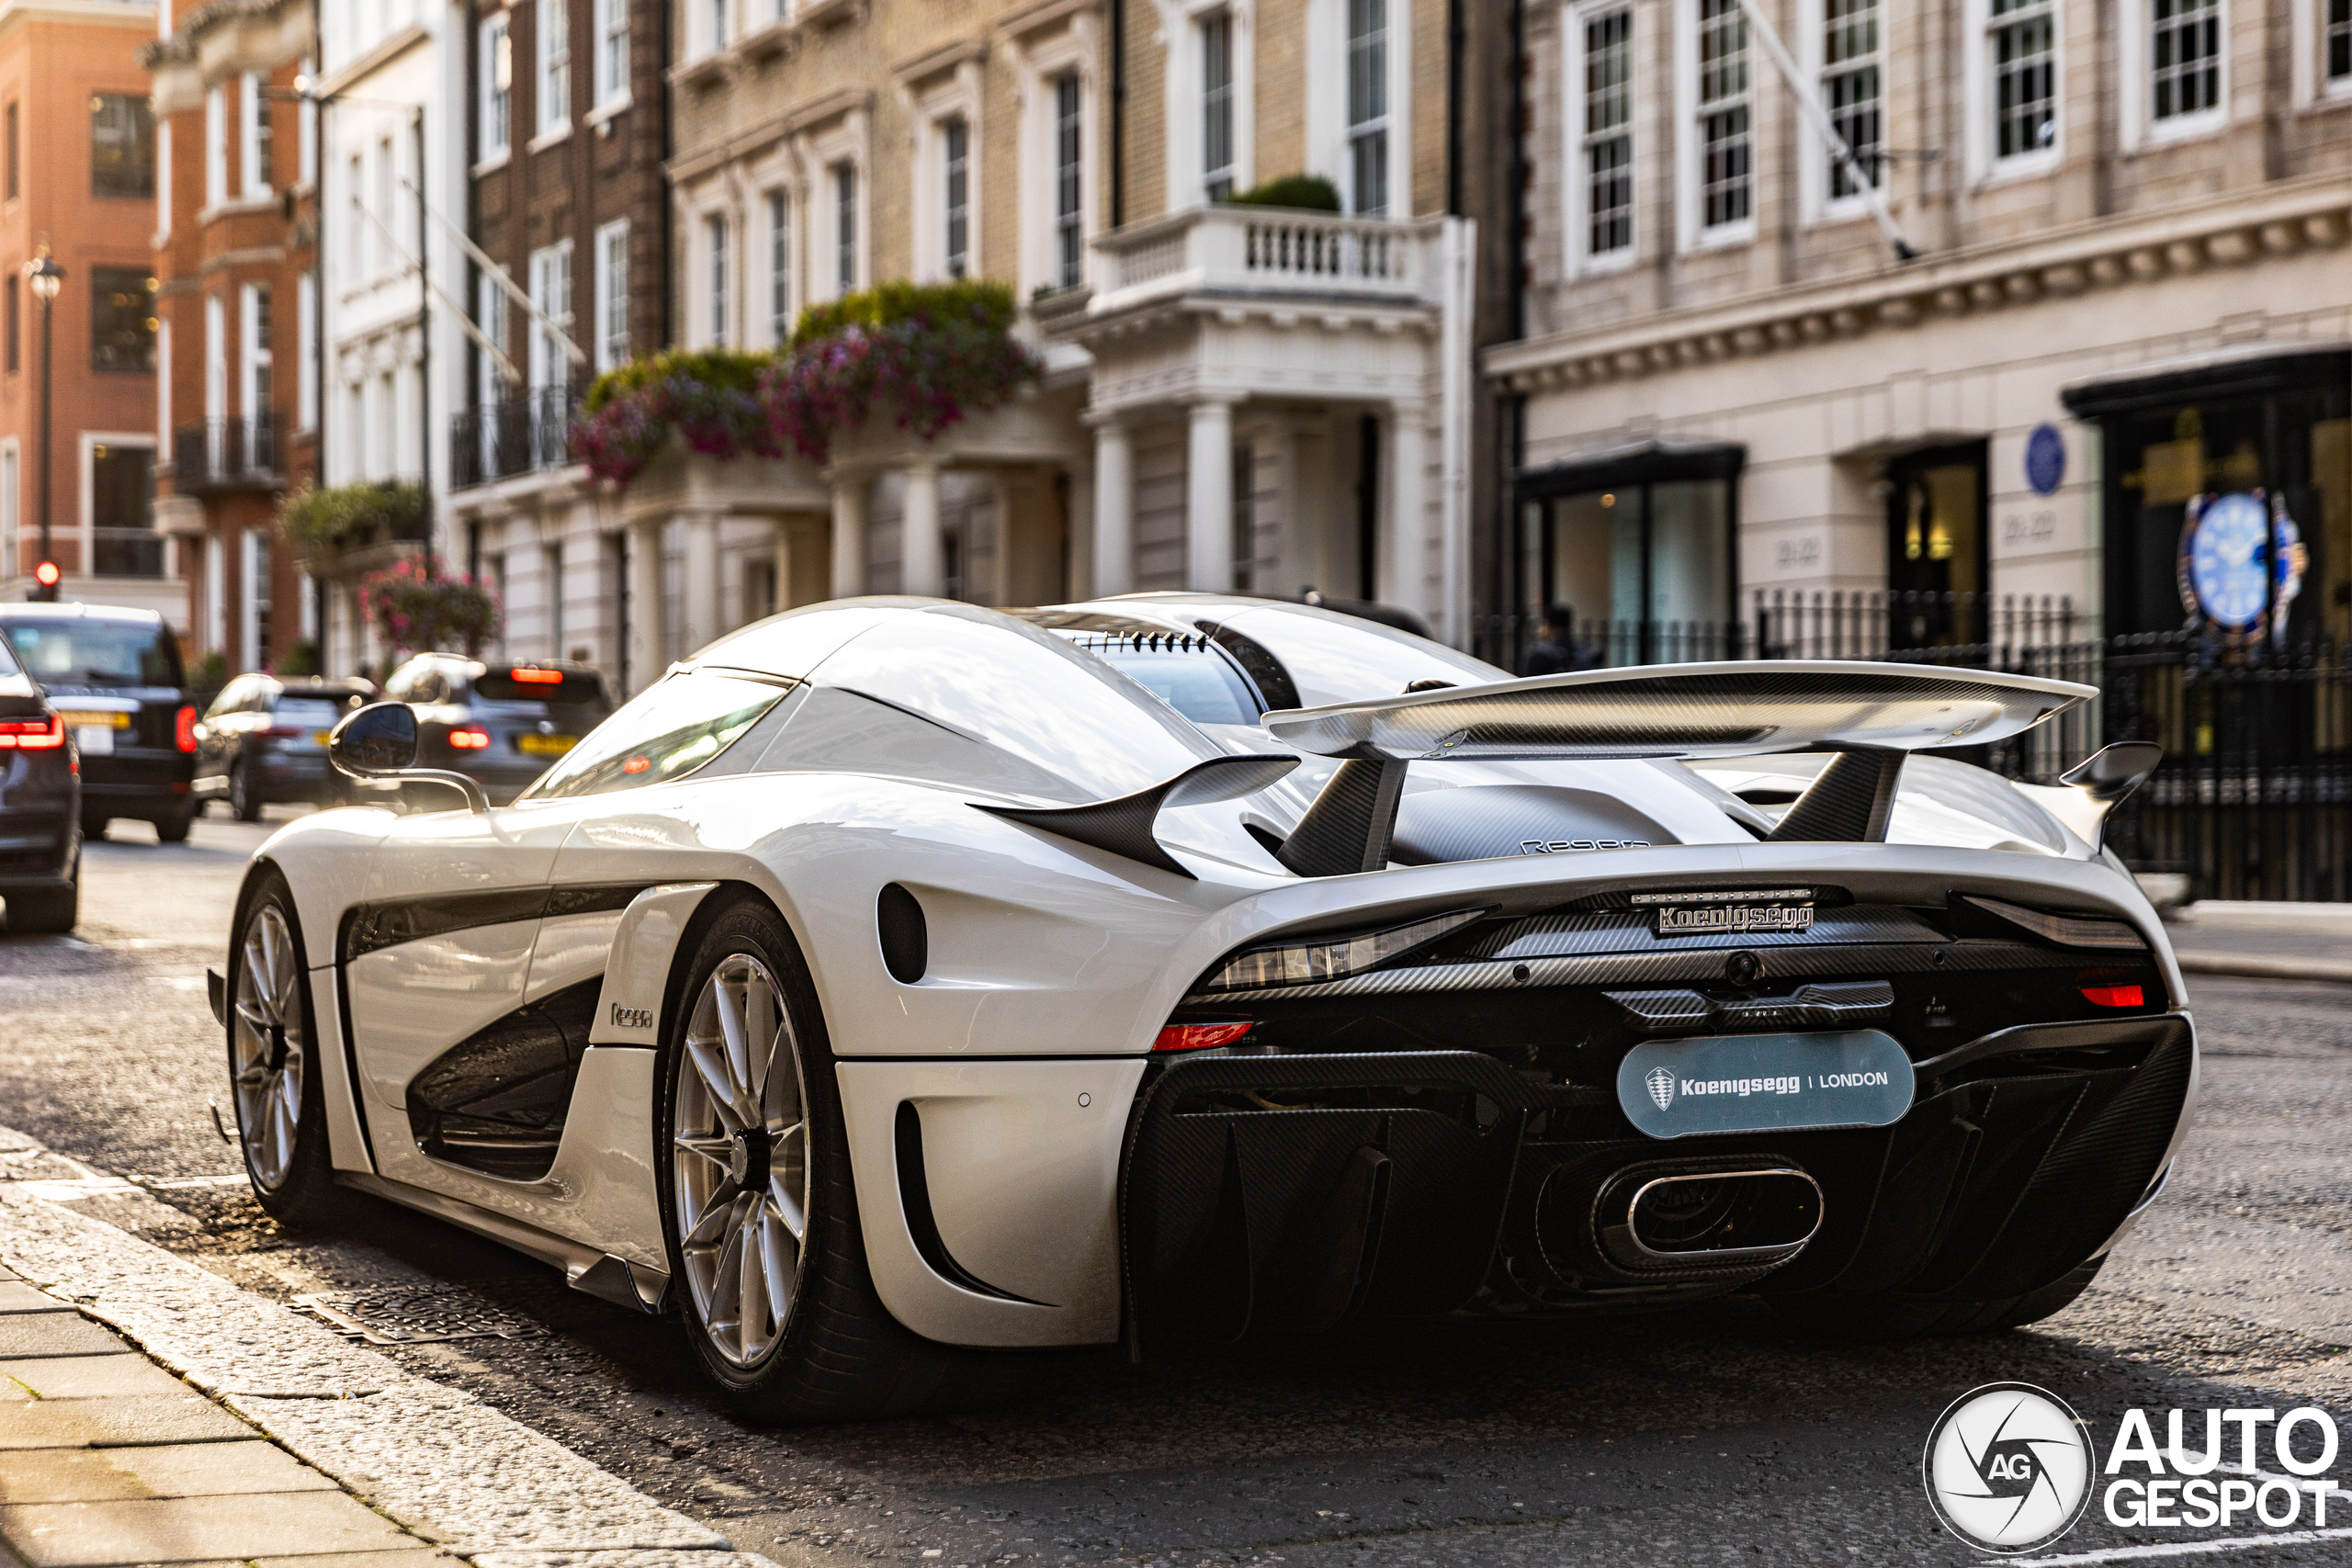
739,1159
266,1047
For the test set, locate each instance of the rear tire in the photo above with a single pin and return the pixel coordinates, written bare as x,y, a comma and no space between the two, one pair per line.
93,827
42,912
1892,1317
173,829
273,1037
245,803
730,1182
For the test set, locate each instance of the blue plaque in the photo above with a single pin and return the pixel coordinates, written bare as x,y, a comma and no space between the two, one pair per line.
2045,459
1765,1083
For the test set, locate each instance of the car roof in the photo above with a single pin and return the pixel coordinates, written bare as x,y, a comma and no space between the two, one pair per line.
121,613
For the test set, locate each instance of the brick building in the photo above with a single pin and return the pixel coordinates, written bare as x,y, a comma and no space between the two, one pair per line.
236,240
569,209
79,175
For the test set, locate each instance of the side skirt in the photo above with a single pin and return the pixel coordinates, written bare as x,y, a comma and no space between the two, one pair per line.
599,1274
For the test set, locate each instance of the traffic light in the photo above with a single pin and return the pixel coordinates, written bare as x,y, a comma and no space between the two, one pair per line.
45,578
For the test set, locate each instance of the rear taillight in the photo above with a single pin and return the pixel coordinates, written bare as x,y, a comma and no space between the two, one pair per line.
32,733
2114,995
1199,1036
280,732
470,740
184,729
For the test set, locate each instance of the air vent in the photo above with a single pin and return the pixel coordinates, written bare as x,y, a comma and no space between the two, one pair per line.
906,941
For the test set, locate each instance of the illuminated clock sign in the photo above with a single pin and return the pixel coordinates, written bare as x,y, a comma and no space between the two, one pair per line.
2240,556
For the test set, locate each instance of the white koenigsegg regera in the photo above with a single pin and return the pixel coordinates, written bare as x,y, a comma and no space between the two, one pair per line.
898,981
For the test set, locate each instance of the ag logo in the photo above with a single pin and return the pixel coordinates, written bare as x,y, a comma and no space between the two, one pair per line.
1661,1082
632,1018
2008,1468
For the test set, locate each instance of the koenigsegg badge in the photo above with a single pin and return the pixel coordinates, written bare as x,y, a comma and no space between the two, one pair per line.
1765,1083
1661,1082
1785,911
632,1018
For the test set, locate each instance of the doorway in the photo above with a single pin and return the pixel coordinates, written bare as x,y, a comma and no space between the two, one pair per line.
1937,565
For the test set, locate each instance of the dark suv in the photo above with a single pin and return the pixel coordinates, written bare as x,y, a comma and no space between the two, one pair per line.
40,848
264,740
115,676
500,724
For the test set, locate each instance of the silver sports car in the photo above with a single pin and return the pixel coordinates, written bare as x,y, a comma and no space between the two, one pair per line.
899,983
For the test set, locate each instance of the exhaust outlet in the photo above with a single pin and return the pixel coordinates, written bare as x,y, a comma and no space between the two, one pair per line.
1747,1217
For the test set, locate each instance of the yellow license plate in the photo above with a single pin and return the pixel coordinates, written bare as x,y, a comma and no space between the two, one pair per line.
104,720
318,736
546,745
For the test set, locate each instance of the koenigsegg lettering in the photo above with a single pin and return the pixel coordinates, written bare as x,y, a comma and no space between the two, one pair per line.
632,1018
1578,846
1713,919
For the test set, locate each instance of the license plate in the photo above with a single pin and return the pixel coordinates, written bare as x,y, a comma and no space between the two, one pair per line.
1765,1083
1783,911
544,745
94,739
319,737
82,719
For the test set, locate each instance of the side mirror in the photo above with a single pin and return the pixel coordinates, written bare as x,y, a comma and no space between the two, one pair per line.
379,739
379,742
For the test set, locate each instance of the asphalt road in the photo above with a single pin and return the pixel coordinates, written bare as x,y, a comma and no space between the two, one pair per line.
1704,1437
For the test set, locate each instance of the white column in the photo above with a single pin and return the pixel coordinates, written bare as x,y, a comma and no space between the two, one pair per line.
1208,485
648,642
921,564
702,581
1404,564
780,533
850,494
1114,508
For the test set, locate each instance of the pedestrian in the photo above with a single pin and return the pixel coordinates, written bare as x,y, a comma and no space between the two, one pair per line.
1556,650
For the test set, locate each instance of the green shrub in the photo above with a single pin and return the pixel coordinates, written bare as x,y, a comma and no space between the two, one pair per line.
1307,193
325,522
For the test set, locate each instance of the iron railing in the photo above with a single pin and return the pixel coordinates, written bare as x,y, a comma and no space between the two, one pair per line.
521,434
226,454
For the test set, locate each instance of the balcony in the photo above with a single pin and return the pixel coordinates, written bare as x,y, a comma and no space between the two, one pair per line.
227,454
1266,253
527,434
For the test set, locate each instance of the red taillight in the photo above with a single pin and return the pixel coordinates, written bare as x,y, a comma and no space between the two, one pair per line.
2113,996
1199,1036
184,729
470,740
538,677
32,733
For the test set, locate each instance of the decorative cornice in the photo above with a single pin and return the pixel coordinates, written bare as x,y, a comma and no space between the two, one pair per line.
805,117
938,62
2232,232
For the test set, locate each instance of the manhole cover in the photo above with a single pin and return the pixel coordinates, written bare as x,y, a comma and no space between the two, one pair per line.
417,1314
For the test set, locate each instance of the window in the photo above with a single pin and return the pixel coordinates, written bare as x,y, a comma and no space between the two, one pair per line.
122,144
1216,108
2336,51
16,328
122,507
497,66
715,13
551,595
844,227
1606,128
382,226
954,158
17,154
354,224
612,51
667,731
714,239
306,349
779,268
1069,226
2184,58
1850,91
2024,49
122,319
551,297
1727,149
253,138
555,65
612,295
253,310
1368,105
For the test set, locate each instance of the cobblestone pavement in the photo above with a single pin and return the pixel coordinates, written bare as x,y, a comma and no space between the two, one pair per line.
1704,1437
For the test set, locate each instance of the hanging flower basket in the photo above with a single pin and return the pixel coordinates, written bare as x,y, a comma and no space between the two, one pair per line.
417,612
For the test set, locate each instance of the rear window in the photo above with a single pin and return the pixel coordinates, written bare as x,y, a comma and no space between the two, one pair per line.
1198,684
542,688
95,653
320,711
666,732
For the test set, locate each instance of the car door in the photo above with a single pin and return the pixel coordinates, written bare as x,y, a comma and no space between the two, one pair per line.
217,736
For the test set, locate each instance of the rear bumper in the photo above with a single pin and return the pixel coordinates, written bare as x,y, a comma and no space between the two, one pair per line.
146,784
37,849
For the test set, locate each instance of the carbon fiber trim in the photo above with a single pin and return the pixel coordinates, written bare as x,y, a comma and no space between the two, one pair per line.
1649,968
1628,930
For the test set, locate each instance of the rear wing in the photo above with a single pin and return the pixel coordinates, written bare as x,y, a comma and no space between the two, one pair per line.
1733,709
1871,715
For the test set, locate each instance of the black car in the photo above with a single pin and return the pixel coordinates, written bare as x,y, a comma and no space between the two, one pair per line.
500,724
115,675
40,797
264,740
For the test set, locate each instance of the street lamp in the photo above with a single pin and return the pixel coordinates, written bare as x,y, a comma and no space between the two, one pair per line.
45,278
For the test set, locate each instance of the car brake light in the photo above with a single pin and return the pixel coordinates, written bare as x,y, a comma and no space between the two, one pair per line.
1199,1036
470,740
32,733
2113,996
538,677
280,732
184,729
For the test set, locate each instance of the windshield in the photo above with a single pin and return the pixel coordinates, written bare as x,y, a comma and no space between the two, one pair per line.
95,653
319,711
665,732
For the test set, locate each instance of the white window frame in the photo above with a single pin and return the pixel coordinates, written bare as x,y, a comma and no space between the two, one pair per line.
2135,59
552,79
163,173
820,154
612,53
714,232
1986,163
611,323
1070,52
1182,97
1381,124
1578,257
957,96
847,250
1813,170
216,357
551,294
1067,220
254,356
776,213
2312,86
306,349
252,106
216,146
1693,231
712,26
496,91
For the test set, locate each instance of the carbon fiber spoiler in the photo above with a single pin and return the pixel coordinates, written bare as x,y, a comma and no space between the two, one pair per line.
1871,715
